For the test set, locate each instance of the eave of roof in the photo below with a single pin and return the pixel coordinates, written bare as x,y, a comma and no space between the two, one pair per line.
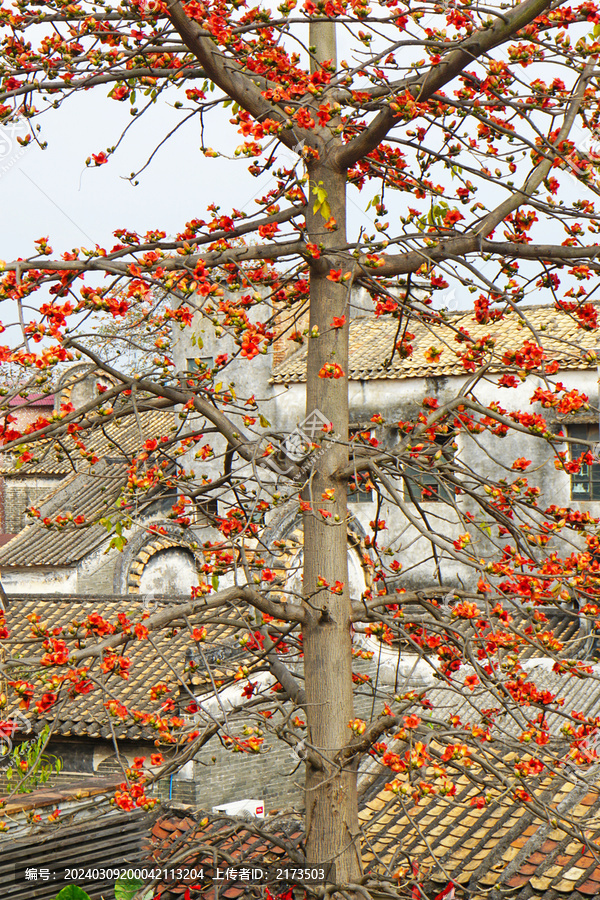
162,661
372,354
91,494
504,846
21,402
118,439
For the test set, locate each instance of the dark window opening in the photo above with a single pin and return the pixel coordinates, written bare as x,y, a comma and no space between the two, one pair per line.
585,484
360,488
208,509
199,363
429,484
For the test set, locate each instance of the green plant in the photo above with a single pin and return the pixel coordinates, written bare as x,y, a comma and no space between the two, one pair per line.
72,892
31,764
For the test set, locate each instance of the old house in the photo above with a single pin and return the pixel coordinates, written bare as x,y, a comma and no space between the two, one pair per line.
383,382
72,561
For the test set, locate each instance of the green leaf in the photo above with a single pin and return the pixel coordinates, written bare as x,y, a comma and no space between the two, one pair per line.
118,543
321,205
126,888
72,892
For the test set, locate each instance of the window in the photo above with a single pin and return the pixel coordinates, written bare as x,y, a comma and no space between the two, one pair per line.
360,489
585,484
163,505
424,483
199,363
206,509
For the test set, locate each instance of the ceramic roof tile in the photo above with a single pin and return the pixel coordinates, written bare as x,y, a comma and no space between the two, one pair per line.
487,849
86,715
541,882
119,439
372,342
92,494
214,841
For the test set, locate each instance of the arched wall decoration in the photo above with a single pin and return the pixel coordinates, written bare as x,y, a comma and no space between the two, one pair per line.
145,547
78,377
150,550
287,529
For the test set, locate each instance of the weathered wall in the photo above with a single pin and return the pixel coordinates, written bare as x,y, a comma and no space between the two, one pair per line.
399,400
21,493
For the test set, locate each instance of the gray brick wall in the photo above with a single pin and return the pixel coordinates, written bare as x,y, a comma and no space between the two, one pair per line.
239,776
19,494
99,582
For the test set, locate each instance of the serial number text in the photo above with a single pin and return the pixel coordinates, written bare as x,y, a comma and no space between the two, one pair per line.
143,874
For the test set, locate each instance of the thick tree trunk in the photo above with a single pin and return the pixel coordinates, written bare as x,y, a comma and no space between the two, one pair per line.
331,803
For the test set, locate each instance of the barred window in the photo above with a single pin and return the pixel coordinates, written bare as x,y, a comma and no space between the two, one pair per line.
360,488
428,483
585,484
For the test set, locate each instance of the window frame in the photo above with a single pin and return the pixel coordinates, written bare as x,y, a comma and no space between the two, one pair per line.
429,485
360,494
588,476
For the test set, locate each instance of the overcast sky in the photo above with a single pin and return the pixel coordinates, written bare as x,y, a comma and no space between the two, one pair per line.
51,192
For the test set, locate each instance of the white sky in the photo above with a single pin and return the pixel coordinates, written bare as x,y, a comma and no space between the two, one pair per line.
51,192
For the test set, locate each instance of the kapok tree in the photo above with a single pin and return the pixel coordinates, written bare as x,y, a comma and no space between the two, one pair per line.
468,132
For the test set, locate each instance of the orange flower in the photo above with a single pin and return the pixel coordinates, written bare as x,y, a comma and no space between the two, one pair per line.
412,721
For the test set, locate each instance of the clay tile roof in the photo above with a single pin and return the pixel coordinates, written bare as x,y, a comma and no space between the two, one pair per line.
36,400
90,494
218,842
504,847
82,789
372,342
90,491
162,661
119,439
88,835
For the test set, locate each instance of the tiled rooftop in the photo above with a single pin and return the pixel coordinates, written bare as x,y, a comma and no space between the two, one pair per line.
505,849
372,344
90,491
218,842
163,660
91,494
119,439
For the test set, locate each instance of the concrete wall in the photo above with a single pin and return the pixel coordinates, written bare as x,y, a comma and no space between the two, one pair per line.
488,456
